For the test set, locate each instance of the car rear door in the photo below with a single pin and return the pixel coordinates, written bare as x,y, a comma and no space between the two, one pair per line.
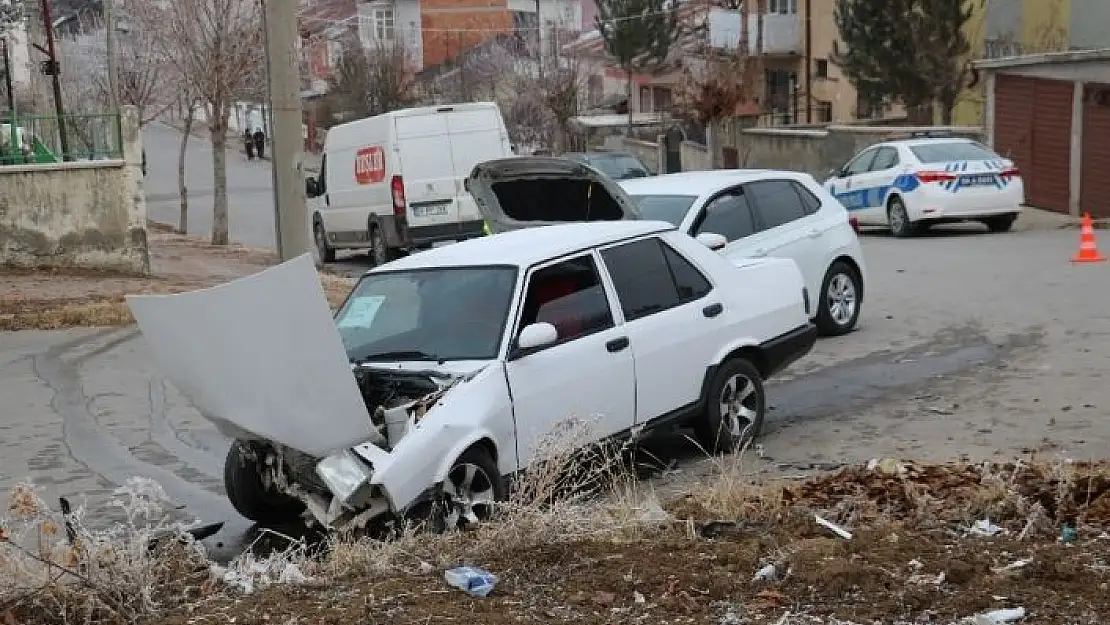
671,319
791,228
474,135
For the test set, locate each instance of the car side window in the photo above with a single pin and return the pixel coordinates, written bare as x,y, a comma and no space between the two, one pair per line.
885,158
728,215
860,164
645,278
777,202
809,201
568,295
689,281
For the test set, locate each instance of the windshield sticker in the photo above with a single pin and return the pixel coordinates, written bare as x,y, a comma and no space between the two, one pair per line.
361,312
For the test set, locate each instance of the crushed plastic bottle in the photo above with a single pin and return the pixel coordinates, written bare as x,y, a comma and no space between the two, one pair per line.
474,581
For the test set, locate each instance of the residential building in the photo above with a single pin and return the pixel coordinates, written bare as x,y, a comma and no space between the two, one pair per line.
800,83
1007,28
451,27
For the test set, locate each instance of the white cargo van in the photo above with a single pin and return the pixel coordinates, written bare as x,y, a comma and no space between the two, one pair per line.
395,181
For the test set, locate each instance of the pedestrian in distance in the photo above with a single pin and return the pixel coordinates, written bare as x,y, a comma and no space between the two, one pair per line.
259,142
248,143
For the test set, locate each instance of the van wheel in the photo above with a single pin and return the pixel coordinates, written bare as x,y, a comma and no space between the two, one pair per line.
249,493
320,236
380,253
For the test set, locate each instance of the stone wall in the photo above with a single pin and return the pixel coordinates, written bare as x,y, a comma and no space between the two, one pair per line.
88,214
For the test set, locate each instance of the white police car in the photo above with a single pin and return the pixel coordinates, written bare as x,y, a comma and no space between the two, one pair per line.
911,184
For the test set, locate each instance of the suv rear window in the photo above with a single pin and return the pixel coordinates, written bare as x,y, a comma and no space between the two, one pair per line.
954,151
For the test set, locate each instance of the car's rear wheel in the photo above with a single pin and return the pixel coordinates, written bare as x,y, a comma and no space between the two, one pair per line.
899,219
838,309
320,236
735,406
1001,223
250,493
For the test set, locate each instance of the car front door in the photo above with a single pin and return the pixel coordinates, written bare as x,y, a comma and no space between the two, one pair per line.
792,229
845,187
586,375
672,321
730,215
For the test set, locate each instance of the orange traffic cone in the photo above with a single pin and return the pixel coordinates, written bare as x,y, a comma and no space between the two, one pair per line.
1088,252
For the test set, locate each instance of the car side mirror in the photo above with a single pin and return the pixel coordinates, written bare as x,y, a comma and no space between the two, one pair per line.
311,189
535,336
712,240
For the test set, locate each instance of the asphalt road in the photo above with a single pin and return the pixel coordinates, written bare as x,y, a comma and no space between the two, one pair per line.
970,345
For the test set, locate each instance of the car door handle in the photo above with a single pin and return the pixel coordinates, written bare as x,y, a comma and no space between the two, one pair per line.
712,310
617,345
759,252
814,233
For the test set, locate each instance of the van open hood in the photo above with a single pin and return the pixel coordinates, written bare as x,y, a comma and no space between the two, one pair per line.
260,357
527,191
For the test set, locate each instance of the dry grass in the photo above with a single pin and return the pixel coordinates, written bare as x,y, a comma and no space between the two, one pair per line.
111,311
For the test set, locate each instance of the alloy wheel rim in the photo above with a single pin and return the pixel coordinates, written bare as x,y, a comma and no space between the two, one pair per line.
739,405
841,299
468,495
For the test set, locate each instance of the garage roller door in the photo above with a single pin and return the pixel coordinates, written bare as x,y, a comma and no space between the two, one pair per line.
1095,176
1032,122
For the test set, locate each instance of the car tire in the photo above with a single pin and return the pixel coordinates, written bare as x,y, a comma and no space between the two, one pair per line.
379,251
840,302
320,237
455,505
249,494
899,220
720,429
1000,223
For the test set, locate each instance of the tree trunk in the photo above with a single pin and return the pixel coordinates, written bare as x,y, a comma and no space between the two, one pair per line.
183,191
628,89
218,129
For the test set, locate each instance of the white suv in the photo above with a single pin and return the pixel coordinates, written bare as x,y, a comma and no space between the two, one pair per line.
743,213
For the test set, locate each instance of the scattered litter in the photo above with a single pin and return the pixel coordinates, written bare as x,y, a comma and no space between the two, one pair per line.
653,512
1068,534
765,574
638,597
984,527
833,527
474,581
940,411
1013,566
886,466
425,568
997,617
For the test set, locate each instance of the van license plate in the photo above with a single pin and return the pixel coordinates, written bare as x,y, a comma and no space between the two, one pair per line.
437,210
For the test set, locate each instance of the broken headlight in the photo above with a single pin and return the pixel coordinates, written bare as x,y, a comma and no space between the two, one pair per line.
347,477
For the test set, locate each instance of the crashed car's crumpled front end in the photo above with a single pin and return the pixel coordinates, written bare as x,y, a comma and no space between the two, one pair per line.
261,358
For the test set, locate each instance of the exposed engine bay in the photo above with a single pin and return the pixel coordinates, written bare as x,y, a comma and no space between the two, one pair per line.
396,400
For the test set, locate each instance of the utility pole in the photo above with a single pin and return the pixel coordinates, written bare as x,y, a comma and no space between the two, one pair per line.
110,47
54,70
539,41
279,18
8,80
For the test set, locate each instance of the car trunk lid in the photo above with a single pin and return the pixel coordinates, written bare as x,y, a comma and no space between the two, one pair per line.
529,191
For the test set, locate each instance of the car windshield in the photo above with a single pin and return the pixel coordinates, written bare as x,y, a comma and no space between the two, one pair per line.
954,151
670,208
427,314
619,166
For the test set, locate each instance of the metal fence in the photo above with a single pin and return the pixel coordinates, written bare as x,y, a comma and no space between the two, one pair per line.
26,139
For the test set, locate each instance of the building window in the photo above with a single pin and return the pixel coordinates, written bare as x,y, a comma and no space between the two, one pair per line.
595,89
823,112
782,7
645,100
661,99
376,24
822,69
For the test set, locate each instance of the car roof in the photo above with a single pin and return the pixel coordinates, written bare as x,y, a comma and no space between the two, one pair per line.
702,182
527,246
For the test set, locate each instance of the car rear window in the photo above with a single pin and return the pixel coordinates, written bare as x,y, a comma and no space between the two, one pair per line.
671,208
619,166
955,151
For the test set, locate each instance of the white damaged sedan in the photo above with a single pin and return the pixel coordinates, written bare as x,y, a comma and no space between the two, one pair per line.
439,376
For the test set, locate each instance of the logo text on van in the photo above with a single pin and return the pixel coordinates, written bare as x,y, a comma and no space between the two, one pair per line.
370,165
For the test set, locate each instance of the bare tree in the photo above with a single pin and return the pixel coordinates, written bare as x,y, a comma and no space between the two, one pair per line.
371,81
215,48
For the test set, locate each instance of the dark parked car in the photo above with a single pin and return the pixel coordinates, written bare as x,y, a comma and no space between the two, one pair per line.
616,165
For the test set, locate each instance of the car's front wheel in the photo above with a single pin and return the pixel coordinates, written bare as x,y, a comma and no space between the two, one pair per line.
735,405
250,493
839,306
468,496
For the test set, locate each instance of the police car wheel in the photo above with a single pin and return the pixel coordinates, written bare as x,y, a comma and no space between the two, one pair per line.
900,224
1000,223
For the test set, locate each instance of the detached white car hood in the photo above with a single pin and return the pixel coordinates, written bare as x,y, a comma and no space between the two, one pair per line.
262,354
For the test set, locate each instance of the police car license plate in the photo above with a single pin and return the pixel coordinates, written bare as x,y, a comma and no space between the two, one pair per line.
978,180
